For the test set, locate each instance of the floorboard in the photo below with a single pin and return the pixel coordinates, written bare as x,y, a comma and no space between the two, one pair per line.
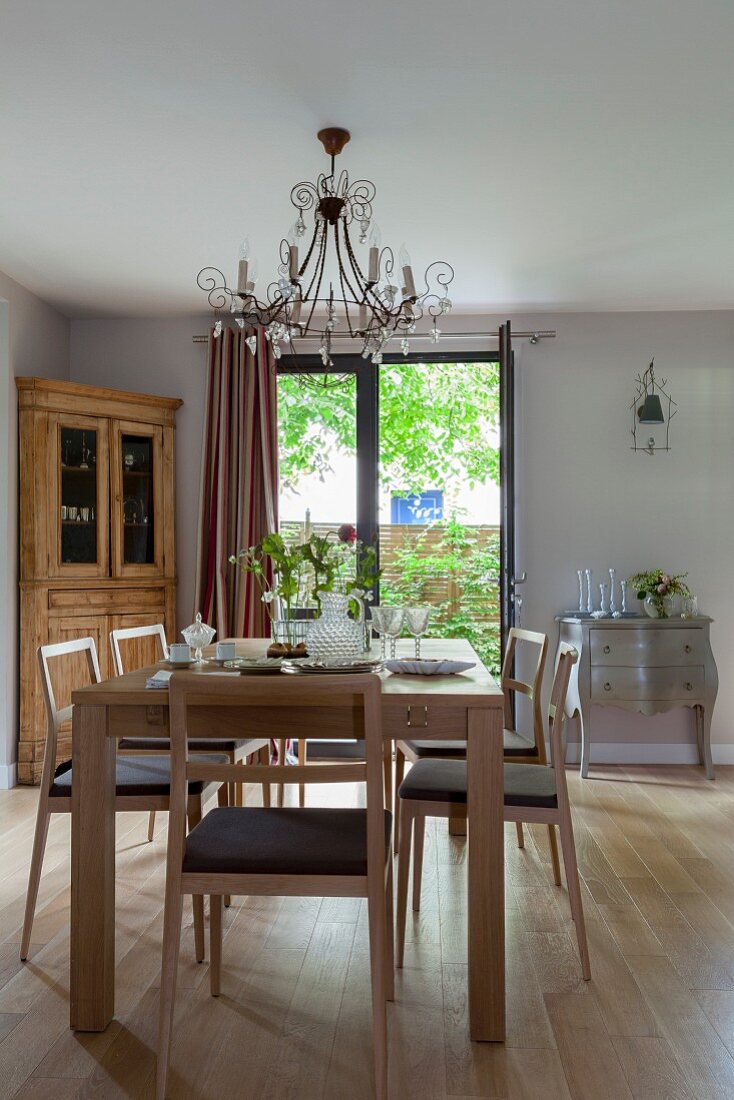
656,854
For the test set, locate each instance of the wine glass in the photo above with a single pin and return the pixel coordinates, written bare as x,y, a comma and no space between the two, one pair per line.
393,618
378,624
416,620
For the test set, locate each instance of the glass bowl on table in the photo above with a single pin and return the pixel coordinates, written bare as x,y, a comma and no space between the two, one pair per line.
197,636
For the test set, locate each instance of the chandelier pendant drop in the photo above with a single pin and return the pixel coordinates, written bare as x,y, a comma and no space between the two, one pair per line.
323,283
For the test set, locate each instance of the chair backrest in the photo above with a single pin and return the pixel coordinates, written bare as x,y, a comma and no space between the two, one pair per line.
339,706
531,688
156,630
566,658
56,716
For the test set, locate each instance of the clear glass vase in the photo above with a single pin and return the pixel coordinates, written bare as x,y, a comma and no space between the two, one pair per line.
289,631
653,606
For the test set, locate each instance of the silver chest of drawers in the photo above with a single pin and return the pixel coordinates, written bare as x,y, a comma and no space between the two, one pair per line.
642,664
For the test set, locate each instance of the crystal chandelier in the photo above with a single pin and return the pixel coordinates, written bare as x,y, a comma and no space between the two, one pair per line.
324,286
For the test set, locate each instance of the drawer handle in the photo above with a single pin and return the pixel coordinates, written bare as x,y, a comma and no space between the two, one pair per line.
689,686
607,649
417,717
687,648
607,686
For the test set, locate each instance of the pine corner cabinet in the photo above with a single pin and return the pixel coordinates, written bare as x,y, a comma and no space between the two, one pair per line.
97,530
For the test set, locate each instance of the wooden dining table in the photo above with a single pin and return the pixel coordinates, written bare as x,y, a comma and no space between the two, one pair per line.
469,705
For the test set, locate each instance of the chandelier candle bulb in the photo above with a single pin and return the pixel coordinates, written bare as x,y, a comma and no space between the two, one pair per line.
373,273
293,262
242,283
409,288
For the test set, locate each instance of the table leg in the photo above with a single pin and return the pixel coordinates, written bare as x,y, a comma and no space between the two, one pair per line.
92,980
486,875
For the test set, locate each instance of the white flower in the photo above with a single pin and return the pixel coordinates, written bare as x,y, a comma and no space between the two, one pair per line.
267,597
356,593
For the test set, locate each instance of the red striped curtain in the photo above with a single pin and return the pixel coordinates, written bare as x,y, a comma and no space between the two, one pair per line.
238,504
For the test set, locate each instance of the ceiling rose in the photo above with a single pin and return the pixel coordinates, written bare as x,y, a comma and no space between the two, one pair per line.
327,283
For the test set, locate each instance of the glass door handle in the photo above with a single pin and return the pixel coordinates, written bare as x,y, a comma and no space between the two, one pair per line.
519,580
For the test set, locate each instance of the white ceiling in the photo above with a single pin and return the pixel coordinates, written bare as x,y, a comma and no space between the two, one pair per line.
577,154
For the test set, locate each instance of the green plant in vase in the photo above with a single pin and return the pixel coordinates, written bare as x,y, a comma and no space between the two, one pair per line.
291,577
655,586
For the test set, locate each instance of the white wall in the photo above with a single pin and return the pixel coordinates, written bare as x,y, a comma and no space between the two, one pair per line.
34,340
157,357
584,498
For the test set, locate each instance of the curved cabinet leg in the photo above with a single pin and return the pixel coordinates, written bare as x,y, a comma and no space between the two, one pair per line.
703,717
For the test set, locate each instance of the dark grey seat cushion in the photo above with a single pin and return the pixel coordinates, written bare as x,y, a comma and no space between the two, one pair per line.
517,745
138,775
162,744
288,841
442,749
445,781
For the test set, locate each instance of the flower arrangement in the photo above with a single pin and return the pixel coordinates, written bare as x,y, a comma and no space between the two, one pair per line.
293,576
655,585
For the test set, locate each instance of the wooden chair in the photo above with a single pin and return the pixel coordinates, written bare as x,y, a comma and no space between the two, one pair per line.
349,751
292,851
234,750
438,788
519,748
143,782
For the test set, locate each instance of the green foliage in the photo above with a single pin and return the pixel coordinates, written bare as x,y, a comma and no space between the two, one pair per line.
437,425
324,563
458,556
658,584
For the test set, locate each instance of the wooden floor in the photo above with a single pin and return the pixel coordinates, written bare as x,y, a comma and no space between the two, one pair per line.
656,851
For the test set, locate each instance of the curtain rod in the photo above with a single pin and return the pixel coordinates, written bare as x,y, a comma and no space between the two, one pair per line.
533,337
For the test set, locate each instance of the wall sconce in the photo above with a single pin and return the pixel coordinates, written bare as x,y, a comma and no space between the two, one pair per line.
652,407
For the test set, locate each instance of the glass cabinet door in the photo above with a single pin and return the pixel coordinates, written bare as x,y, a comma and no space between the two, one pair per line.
137,483
79,545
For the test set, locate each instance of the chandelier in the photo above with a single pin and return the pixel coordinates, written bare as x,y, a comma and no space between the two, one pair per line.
327,284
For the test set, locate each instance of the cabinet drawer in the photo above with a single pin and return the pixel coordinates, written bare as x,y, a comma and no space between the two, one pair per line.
411,721
647,647
610,683
105,599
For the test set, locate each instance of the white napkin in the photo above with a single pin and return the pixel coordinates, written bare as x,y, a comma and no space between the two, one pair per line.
159,680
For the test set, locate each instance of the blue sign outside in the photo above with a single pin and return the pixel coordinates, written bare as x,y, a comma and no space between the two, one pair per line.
417,507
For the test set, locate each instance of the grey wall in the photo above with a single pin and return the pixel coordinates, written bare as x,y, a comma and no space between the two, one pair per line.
584,499
34,340
158,357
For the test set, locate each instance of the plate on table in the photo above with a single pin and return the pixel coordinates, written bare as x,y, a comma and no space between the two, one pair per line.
250,666
335,667
178,664
424,667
